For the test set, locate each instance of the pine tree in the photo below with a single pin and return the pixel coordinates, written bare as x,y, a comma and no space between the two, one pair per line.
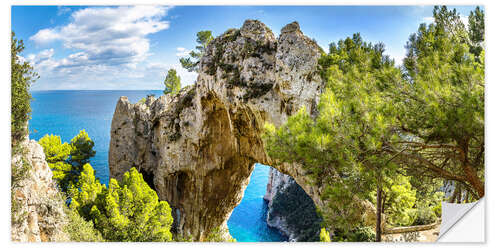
67,160
22,76
342,148
172,82
82,149
192,62
440,105
125,211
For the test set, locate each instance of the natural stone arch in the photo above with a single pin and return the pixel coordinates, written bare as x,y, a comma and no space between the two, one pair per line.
198,147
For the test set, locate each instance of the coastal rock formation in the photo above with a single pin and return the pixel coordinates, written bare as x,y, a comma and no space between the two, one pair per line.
37,207
197,149
290,209
277,181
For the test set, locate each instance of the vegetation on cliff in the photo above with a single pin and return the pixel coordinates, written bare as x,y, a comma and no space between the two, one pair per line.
22,76
377,123
128,210
172,82
67,160
192,62
125,211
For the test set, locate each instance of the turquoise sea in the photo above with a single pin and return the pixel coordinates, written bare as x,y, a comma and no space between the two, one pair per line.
66,112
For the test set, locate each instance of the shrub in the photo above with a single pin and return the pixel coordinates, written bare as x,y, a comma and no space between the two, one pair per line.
424,216
22,75
125,211
219,235
79,229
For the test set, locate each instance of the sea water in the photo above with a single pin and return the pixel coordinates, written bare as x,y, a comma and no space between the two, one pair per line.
66,112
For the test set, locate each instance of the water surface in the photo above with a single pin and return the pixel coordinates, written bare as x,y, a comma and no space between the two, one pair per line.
66,112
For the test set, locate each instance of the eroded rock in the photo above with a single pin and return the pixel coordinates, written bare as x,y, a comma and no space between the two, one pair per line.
197,148
37,206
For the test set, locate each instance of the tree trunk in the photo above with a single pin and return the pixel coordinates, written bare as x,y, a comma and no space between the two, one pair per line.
474,180
378,236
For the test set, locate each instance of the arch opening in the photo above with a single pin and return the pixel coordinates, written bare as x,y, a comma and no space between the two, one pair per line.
274,208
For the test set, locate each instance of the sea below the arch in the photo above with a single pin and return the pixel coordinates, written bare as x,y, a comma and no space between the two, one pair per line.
66,112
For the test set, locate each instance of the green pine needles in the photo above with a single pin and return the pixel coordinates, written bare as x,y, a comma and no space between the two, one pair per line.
128,210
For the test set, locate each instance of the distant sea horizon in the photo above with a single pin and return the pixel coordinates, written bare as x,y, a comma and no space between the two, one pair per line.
66,112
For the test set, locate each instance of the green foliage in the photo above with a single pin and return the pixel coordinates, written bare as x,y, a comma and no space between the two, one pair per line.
219,235
428,207
172,82
437,209
67,160
22,76
424,216
192,62
79,229
343,146
142,100
324,235
440,105
358,234
125,211
82,149
84,193
298,211
476,31
54,149
399,199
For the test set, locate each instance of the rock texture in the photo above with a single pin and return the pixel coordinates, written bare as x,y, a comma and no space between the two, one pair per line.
277,182
197,148
290,209
37,206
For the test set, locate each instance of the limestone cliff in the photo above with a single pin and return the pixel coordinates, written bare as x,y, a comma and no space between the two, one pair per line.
197,148
37,207
290,209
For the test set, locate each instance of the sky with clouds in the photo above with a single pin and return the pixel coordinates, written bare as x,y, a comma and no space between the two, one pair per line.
132,47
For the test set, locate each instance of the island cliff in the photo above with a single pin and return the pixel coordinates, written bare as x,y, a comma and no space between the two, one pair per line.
197,149
37,205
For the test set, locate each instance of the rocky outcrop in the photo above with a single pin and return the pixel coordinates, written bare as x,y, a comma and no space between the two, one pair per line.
37,206
290,209
197,149
277,182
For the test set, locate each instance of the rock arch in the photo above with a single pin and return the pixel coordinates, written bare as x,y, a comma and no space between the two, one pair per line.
200,145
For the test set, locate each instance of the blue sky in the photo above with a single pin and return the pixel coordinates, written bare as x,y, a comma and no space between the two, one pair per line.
132,47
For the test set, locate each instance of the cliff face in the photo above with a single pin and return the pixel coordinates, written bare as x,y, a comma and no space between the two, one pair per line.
37,206
197,148
291,210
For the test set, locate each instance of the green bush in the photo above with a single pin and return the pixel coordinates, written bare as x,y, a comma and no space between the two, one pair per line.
22,76
125,211
437,209
324,236
424,216
219,235
362,234
79,229
359,234
67,160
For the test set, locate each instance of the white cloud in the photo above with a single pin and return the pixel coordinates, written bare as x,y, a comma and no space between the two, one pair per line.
45,36
108,45
182,52
108,36
61,10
